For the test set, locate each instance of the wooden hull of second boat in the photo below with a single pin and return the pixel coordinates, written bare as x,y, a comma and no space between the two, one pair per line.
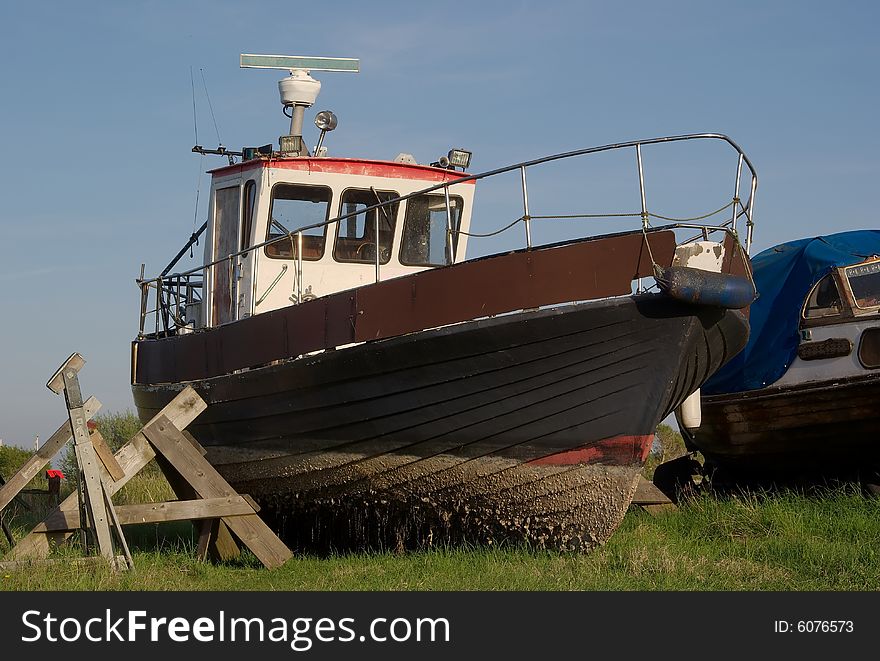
532,425
829,428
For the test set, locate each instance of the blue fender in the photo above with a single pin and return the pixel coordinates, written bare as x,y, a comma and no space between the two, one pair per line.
699,287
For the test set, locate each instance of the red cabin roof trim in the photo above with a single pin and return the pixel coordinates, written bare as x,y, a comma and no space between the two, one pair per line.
355,166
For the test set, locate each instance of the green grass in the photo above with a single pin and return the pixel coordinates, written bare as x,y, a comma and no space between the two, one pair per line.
783,541
671,446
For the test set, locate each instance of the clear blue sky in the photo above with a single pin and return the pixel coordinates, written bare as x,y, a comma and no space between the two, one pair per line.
96,125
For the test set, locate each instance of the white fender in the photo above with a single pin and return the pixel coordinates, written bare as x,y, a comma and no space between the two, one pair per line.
690,411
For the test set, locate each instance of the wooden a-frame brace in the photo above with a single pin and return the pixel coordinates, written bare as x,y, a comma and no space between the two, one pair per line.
225,516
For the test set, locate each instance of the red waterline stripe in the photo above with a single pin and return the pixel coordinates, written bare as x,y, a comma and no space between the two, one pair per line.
621,450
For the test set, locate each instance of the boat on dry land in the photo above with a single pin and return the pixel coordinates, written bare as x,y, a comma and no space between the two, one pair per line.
368,384
802,398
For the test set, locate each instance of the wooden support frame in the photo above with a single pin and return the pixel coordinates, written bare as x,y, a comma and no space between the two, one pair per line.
226,517
208,483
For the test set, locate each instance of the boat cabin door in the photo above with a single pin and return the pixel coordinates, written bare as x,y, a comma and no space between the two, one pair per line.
224,238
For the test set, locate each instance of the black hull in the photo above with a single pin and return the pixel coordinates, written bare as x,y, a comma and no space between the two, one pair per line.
823,428
526,415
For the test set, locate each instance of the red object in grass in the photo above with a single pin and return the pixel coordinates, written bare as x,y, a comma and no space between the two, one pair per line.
54,473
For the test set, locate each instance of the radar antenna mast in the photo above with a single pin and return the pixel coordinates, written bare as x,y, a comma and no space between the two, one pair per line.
298,90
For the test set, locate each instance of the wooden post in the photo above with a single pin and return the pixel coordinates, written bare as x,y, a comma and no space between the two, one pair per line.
86,457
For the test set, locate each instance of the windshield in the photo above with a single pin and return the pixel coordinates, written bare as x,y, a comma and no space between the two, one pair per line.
824,301
864,280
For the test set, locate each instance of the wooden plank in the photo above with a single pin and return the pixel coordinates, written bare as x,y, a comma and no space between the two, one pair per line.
132,457
648,494
223,546
87,561
89,466
183,510
217,542
59,520
195,443
21,501
656,510
74,364
129,563
105,454
43,456
651,499
175,510
208,483
253,503
204,528
137,453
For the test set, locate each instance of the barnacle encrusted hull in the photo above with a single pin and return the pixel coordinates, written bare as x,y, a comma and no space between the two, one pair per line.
531,426
490,502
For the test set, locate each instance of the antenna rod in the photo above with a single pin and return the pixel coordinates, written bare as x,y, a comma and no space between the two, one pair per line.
192,239
220,151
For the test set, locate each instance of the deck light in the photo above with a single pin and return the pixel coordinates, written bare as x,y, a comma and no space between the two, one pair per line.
291,144
325,120
460,158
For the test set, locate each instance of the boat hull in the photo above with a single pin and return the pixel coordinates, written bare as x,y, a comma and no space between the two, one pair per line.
532,425
825,427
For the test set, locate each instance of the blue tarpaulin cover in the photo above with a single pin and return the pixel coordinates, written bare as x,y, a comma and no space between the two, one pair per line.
784,276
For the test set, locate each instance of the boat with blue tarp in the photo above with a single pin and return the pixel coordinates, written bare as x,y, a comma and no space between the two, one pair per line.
802,397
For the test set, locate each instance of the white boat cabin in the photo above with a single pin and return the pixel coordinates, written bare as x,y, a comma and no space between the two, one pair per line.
268,199
840,336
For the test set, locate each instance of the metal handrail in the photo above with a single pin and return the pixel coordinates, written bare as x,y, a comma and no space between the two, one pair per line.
740,209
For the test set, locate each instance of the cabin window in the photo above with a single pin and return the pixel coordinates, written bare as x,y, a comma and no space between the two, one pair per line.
424,230
824,301
356,236
869,349
247,214
864,280
293,207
